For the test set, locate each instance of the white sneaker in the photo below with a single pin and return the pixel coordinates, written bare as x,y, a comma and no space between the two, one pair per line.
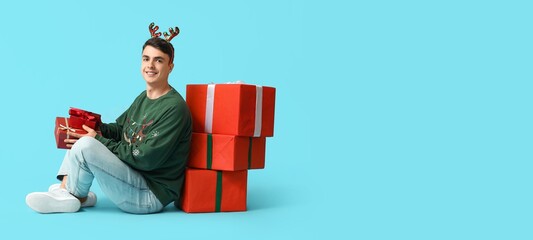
91,197
53,202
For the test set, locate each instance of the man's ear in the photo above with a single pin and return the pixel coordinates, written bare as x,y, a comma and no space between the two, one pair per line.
171,67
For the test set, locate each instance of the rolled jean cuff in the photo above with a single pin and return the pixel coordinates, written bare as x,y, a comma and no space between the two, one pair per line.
64,168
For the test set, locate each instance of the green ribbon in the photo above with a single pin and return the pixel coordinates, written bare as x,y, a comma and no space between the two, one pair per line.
218,198
209,151
250,153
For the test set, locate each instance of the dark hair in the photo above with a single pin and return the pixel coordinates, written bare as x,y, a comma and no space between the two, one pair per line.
161,44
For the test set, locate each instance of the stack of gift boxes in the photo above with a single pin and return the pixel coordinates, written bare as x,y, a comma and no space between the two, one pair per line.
74,123
230,126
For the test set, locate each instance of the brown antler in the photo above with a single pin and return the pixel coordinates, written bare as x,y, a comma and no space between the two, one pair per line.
173,32
153,30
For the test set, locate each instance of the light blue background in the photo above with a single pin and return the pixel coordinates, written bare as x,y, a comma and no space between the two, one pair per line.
394,119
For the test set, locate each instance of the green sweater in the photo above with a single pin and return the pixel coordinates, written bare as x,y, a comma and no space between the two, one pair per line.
153,137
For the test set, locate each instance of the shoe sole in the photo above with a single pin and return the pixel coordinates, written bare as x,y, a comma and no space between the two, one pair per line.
43,203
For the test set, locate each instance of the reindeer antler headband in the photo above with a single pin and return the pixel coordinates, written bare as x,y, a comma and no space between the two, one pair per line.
173,32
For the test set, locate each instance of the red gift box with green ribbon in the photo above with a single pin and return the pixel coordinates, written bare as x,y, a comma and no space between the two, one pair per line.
232,109
79,117
61,131
213,191
226,152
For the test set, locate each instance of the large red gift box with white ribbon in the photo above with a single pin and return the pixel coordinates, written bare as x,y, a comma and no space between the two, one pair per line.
232,109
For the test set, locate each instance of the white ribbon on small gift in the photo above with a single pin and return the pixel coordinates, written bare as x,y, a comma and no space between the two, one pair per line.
210,101
66,128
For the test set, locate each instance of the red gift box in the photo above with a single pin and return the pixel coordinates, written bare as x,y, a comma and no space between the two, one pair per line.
232,109
226,152
214,191
79,117
61,129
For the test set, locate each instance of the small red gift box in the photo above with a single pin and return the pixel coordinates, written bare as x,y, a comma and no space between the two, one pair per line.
232,109
61,129
226,152
79,117
214,191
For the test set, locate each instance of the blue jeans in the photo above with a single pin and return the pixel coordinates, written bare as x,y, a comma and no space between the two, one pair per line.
125,187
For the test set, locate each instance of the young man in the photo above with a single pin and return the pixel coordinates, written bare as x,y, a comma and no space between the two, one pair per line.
139,160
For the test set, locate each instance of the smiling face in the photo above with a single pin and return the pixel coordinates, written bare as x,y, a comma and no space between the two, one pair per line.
155,66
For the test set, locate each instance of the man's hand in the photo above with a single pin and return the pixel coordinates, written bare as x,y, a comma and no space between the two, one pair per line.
70,141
